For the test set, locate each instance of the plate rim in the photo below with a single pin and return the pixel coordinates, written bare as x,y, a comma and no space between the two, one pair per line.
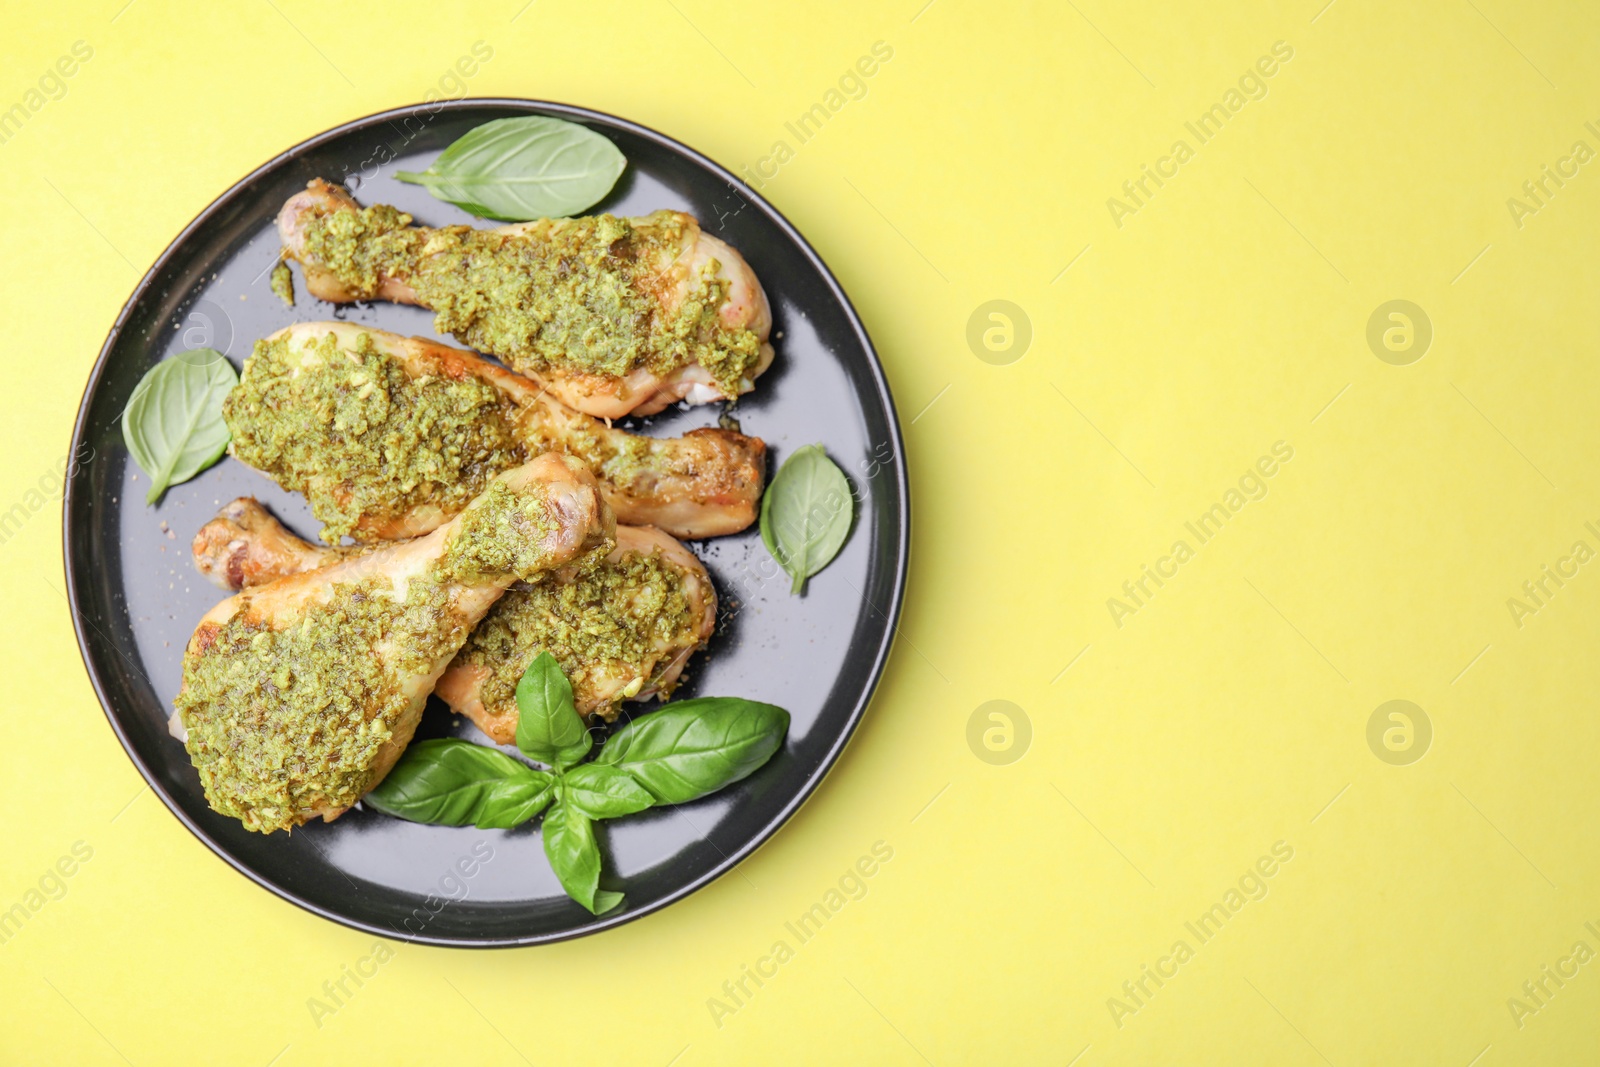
902,546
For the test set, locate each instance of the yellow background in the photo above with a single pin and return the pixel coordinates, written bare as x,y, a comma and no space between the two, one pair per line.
1224,716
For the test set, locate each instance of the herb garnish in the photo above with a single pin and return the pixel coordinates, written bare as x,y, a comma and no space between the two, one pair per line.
806,514
528,167
680,753
173,423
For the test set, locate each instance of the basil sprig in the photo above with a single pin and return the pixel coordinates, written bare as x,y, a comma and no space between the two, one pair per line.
527,167
173,423
806,514
678,754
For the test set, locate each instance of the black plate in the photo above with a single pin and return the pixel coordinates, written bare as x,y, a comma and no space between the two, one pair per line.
136,596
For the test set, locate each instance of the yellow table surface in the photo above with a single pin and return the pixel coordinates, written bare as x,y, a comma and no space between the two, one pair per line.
1431,910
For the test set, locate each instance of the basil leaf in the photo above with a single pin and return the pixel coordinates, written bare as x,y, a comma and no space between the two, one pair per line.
574,855
173,422
514,801
453,783
694,747
549,728
806,514
529,167
603,792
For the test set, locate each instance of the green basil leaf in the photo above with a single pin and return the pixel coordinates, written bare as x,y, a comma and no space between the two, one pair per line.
173,422
513,802
549,728
452,783
604,792
806,513
574,855
529,167
694,747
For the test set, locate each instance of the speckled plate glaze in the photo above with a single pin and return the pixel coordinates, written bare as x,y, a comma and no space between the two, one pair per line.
136,597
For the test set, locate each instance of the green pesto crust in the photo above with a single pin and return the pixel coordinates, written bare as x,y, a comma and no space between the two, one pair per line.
578,295
282,723
612,621
282,282
503,533
620,459
361,438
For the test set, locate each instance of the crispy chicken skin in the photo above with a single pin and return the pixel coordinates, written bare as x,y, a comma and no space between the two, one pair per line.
639,392
704,484
275,744
245,546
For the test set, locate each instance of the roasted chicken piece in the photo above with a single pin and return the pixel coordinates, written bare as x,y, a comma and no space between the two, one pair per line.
246,546
612,316
299,695
622,628
389,436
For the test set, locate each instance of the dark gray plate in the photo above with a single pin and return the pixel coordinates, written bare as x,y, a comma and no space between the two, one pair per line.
136,597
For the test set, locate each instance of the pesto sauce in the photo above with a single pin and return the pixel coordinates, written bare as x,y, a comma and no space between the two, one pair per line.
615,458
361,438
575,296
613,620
502,533
282,283
282,722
